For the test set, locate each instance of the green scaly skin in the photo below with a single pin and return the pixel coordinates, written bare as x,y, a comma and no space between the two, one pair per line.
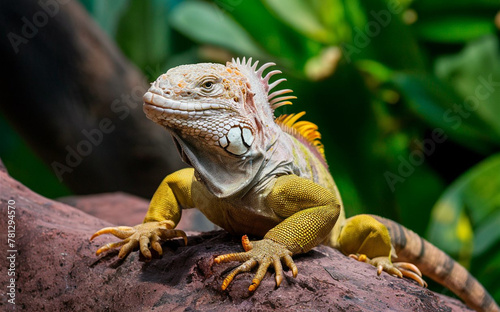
256,175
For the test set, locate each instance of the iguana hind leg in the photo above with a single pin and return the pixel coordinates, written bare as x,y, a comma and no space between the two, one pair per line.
367,240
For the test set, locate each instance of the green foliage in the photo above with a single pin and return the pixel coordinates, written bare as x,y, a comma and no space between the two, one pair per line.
148,45
213,27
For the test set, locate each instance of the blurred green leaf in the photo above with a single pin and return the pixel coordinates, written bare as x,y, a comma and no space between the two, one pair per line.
147,41
308,23
453,29
332,14
471,202
208,24
377,70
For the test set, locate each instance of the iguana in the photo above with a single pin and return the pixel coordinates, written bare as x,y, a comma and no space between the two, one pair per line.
254,174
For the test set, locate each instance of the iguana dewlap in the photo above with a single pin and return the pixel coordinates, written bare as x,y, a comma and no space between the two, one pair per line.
263,176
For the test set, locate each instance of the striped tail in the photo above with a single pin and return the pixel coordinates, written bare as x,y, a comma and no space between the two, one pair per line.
440,267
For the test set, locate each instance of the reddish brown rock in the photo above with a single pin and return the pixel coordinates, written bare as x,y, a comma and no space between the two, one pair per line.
57,270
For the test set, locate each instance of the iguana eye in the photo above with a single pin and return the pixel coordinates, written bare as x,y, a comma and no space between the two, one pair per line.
210,86
207,85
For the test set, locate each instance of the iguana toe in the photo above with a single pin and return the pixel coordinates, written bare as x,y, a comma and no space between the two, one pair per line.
142,236
410,270
263,253
119,231
245,267
110,246
398,269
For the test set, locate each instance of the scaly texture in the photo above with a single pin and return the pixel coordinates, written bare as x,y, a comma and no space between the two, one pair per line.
257,175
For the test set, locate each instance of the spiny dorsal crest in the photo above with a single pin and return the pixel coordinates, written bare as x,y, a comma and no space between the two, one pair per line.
261,83
289,123
305,129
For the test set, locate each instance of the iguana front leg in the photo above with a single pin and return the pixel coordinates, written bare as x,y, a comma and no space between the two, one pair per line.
309,212
162,217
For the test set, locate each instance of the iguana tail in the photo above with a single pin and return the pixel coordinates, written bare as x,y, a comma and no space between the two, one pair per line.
440,267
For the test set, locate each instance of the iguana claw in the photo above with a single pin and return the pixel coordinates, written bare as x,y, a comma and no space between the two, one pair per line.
410,270
263,253
142,235
399,269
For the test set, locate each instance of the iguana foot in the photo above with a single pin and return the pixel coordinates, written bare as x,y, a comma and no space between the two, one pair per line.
399,269
262,253
141,236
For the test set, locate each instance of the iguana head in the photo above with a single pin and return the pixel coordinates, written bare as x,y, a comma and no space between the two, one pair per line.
221,117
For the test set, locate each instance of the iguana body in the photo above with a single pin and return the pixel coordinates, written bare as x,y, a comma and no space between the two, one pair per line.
257,175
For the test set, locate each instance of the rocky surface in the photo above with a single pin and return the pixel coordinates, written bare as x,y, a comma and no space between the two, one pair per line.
57,270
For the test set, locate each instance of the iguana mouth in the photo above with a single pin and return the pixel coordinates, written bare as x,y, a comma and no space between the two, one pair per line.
171,106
